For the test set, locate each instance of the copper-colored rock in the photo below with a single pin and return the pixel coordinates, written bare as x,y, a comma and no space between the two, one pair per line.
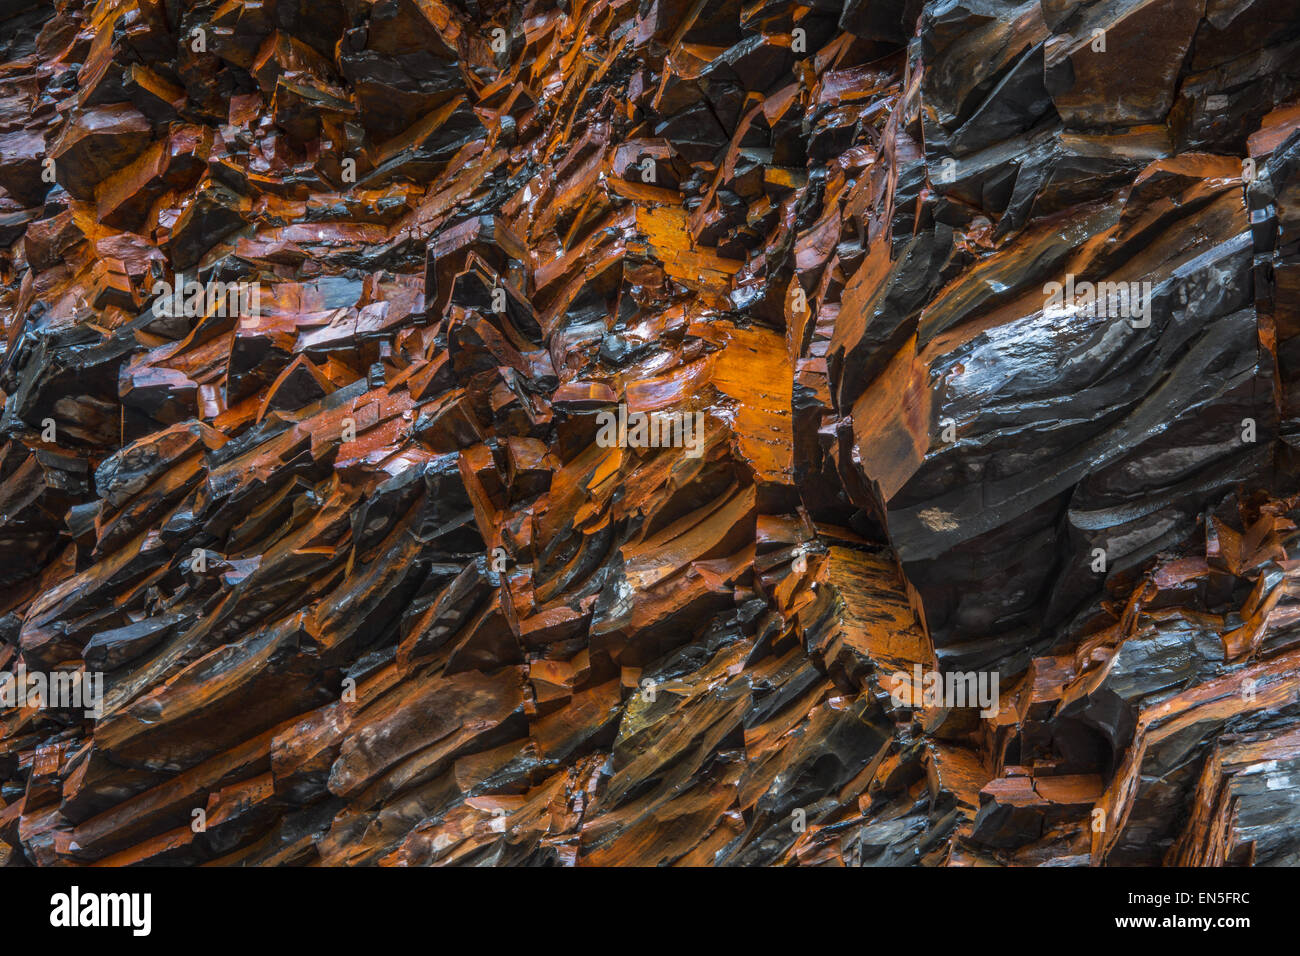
615,433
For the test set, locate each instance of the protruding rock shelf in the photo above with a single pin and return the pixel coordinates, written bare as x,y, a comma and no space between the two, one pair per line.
637,432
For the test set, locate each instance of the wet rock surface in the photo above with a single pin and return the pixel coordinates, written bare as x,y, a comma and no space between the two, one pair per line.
637,432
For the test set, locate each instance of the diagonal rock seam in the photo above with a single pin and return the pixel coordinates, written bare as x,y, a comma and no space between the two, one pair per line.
398,555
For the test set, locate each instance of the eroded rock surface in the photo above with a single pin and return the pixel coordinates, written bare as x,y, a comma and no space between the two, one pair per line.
577,434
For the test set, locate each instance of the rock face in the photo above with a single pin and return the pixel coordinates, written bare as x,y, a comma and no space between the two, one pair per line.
638,432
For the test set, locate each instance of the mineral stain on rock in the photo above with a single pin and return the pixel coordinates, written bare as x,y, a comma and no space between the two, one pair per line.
985,317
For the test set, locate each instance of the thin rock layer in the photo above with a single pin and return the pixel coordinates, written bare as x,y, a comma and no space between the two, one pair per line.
371,580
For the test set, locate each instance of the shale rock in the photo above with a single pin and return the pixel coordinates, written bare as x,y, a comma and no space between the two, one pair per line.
639,433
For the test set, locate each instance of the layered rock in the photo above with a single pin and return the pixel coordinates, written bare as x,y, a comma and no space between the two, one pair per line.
583,434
